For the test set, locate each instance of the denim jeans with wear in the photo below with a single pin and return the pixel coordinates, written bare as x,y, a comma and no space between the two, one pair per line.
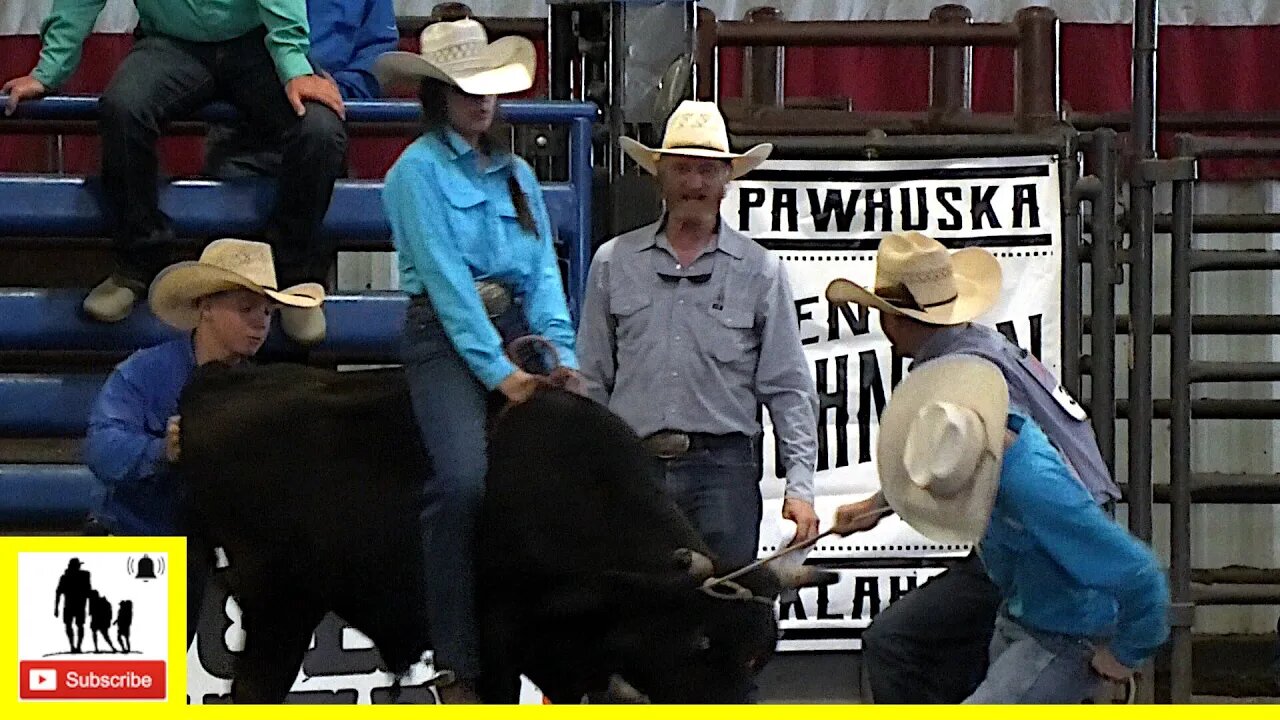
164,78
451,406
1030,667
717,487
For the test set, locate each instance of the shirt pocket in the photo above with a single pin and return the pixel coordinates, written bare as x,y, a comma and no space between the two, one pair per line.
731,331
465,219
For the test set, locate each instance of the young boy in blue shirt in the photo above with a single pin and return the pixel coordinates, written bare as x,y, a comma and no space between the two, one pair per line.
1083,600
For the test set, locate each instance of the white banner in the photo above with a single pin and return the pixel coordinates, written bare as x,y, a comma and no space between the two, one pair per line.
824,220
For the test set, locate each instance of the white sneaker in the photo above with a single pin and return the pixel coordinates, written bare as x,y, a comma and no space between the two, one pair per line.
112,300
306,326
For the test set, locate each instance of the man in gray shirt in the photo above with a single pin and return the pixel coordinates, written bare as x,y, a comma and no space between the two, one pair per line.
687,327
931,645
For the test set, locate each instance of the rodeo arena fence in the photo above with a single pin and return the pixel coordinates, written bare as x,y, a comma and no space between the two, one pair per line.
1041,188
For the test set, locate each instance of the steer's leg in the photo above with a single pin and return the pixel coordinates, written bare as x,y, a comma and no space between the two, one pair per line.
277,633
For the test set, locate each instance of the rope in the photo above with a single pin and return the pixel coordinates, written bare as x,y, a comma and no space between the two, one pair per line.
788,550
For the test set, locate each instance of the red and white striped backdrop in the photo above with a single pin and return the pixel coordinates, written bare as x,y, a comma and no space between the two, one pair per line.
1213,56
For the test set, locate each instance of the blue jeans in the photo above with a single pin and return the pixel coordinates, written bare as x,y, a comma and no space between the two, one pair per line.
1029,667
451,406
718,490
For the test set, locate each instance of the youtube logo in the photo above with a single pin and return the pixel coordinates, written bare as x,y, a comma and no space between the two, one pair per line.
92,680
42,679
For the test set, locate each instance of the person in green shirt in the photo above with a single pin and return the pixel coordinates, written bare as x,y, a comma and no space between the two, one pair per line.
187,53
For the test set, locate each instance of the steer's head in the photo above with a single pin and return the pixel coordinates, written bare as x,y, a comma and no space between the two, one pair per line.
709,639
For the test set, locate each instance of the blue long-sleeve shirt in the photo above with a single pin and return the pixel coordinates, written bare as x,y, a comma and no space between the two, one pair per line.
125,443
453,224
347,36
1061,564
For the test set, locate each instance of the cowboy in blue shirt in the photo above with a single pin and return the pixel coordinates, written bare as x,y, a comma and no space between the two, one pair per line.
931,645
223,305
1082,600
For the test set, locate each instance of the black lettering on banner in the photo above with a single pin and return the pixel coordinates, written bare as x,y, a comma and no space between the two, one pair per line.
802,315
832,205
980,205
828,400
882,207
871,387
896,589
896,370
957,220
1025,199
329,658
211,635
917,218
751,198
784,200
855,316
866,590
1007,329
796,607
824,605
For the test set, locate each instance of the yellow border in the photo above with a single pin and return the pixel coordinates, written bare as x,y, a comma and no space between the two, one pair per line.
175,705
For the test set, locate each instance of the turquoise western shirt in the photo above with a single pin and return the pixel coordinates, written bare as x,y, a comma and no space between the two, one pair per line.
453,223
70,22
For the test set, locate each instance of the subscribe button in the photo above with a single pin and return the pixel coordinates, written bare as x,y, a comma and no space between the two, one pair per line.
92,680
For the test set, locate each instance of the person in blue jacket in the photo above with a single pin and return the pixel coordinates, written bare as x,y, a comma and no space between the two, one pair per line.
477,258
347,36
223,304
1083,601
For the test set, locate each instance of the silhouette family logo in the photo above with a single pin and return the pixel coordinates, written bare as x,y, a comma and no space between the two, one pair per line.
105,636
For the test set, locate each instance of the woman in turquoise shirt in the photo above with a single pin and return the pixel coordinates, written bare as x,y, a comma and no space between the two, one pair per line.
477,258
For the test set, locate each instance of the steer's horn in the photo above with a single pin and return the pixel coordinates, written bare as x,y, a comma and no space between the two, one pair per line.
806,576
621,691
698,565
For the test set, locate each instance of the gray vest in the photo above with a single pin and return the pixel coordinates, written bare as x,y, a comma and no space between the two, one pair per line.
1034,389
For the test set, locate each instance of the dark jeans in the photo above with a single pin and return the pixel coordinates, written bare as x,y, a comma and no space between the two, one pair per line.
164,78
931,645
451,406
718,490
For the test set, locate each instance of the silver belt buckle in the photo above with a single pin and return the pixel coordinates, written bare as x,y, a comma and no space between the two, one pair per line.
668,445
495,296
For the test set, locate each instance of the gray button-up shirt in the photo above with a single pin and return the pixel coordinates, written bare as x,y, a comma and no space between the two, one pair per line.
700,349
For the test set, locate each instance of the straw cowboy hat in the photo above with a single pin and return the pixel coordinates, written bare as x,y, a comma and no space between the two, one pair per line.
697,129
940,447
225,264
460,54
918,277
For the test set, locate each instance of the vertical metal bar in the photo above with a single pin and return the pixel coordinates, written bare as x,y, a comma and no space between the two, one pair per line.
705,71
1180,439
1141,240
1102,345
1072,292
580,174
763,65
1037,95
561,47
950,68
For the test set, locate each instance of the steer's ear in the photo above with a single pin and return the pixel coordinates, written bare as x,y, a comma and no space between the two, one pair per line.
698,566
806,576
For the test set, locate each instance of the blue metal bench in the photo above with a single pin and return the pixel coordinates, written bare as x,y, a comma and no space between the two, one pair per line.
365,326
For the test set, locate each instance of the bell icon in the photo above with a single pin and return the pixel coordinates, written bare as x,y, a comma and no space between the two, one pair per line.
146,569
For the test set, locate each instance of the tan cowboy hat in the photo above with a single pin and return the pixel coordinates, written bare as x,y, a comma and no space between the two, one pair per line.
940,447
918,277
226,264
460,54
697,129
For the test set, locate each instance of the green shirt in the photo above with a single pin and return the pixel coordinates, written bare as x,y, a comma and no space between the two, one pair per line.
70,22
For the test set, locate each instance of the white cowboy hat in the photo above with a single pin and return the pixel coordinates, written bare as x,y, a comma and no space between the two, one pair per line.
918,277
226,264
460,54
696,129
940,447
